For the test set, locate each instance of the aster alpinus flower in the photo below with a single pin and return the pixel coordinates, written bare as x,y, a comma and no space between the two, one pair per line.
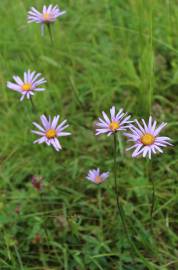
28,85
46,17
50,131
118,122
146,138
96,177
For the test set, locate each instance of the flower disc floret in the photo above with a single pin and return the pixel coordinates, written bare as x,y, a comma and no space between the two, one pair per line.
114,126
51,133
26,86
147,139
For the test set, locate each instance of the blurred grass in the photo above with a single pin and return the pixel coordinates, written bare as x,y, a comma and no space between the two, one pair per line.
105,52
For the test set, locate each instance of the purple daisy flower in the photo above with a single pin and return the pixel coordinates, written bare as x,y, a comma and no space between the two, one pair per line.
146,138
50,131
28,85
118,122
47,16
96,177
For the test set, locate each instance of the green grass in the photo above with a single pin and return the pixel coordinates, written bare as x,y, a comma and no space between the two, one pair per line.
105,52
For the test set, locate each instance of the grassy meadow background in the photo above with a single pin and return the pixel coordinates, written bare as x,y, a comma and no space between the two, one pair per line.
106,52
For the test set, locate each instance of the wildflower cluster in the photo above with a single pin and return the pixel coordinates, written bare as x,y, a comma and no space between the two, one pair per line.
144,136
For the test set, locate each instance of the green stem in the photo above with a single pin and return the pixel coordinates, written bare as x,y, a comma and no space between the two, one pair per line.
121,211
100,209
116,186
119,207
50,33
33,105
153,200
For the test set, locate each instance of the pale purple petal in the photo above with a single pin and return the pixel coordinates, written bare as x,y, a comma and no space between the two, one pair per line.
38,132
157,131
14,87
61,134
54,122
45,122
18,80
112,112
106,118
38,126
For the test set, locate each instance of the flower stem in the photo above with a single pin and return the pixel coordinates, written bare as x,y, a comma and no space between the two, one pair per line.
121,211
33,106
115,176
153,200
116,187
50,33
119,207
153,203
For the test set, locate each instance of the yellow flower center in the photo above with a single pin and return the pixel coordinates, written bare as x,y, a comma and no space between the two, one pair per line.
26,87
147,139
114,125
46,16
98,179
51,133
